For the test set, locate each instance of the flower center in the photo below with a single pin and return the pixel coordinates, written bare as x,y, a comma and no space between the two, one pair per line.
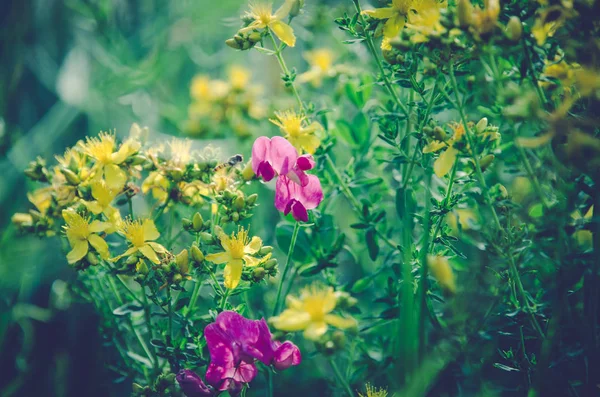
101,148
237,244
134,232
262,12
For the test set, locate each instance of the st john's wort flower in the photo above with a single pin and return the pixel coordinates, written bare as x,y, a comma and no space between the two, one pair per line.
277,156
141,236
291,197
192,385
311,313
82,233
302,135
238,250
234,343
263,17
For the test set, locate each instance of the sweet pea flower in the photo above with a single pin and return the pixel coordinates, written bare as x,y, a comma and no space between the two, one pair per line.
192,385
291,197
234,343
277,156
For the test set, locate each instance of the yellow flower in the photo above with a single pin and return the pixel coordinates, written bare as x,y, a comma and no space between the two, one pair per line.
444,163
103,149
302,136
158,184
561,71
238,250
548,21
374,392
75,160
463,217
399,12
141,235
263,16
583,237
427,23
41,199
239,77
440,269
81,234
312,313
103,196
321,65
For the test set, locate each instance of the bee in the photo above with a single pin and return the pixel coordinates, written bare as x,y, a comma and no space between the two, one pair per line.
232,162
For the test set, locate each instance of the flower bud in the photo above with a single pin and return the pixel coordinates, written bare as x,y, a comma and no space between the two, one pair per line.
92,259
218,231
514,29
239,203
339,339
486,161
270,264
258,273
71,177
186,223
265,249
248,172
286,355
182,260
137,160
439,134
192,385
197,255
481,125
254,37
252,199
464,10
197,222
233,44
296,9
177,278
141,267
206,237
440,269
235,216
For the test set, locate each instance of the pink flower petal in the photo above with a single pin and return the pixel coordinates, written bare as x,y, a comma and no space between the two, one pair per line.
283,155
286,356
260,152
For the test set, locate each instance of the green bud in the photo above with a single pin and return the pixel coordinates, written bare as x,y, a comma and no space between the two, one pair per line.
428,131
239,203
206,237
141,267
92,259
187,224
137,160
165,268
439,134
296,9
339,339
265,249
464,10
72,178
197,222
248,172
177,278
235,216
182,260
175,175
197,255
514,29
481,125
254,37
485,162
131,260
270,264
258,273
252,199
233,44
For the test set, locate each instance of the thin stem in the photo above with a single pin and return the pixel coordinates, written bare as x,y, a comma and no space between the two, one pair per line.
286,268
534,79
170,316
148,319
373,50
285,70
340,377
531,174
440,220
224,299
423,285
193,299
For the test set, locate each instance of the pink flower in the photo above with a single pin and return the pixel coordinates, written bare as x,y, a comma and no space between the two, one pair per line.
234,343
276,156
291,197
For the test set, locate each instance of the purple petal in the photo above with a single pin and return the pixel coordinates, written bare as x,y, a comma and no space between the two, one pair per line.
265,171
283,155
282,193
265,343
245,372
305,162
286,356
260,152
299,211
192,385
311,195
233,387
220,346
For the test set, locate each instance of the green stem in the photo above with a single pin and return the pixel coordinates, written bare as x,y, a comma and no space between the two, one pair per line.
148,318
373,50
285,69
534,79
188,310
440,220
340,377
531,174
286,268
224,299
170,316
423,284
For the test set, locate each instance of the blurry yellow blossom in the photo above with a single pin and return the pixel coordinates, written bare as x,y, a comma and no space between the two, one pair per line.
262,14
464,218
103,197
520,188
239,77
373,391
399,12
321,66
41,199
550,19
440,269
81,234
104,150
583,237
238,250
158,184
427,23
293,126
446,160
141,235
311,313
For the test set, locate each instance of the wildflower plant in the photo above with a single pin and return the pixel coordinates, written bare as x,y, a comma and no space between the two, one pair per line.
434,210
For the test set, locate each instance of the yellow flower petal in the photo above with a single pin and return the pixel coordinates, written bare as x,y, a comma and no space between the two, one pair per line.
99,245
149,253
80,249
150,231
434,146
93,206
445,162
233,273
284,10
380,13
114,176
291,320
158,248
219,258
393,26
97,226
315,330
284,32
535,142
251,261
253,246
340,322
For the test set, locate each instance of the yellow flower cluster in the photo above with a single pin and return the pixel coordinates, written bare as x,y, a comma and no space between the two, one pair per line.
220,106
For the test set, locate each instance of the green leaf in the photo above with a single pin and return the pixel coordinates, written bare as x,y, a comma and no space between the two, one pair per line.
361,129
372,245
536,210
344,131
361,284
126,309
283,235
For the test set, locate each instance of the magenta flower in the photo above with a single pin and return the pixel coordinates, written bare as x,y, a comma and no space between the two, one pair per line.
192,385
291,197
234,343
276,156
